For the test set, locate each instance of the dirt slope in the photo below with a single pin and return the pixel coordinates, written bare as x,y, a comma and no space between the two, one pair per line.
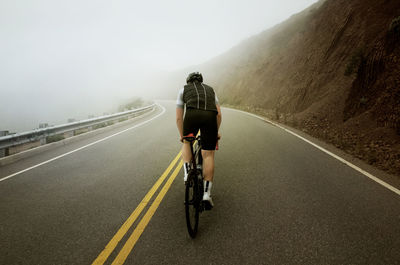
332,70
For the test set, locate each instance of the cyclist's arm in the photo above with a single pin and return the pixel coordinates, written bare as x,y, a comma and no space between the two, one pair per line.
179,112
219,116
179,121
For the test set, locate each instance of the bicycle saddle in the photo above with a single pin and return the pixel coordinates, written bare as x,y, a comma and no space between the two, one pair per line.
190,137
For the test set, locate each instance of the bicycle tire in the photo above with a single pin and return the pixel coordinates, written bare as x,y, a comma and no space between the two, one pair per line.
192,207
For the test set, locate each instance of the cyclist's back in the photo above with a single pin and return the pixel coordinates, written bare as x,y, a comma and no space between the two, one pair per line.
197,95
202,113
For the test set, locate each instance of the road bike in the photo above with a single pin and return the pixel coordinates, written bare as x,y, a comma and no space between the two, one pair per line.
194,186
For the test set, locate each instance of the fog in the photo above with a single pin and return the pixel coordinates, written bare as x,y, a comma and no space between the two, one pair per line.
71,59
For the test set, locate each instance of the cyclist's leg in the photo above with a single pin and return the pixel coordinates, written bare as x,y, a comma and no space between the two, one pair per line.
186,153
208,174
209,133
189,126
208,164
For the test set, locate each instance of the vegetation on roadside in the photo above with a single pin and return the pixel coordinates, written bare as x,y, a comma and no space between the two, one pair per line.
78,132
132,104
100,125
54,138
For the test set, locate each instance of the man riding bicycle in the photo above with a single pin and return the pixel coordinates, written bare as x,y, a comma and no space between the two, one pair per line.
202,113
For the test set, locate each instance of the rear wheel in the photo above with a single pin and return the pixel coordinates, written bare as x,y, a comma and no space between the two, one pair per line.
192,205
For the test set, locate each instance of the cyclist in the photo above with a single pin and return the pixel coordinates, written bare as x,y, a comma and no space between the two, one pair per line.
202,113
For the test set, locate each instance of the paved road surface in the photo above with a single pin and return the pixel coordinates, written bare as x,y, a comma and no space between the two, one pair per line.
278,200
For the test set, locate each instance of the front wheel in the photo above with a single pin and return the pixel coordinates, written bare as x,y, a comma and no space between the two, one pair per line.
192,206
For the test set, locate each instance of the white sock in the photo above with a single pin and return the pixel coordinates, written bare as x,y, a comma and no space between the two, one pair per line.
185,170
207,187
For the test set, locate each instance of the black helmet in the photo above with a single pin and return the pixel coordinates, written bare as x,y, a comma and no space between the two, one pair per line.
194,76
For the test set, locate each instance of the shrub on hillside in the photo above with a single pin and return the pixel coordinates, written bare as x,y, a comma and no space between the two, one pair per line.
395,26
354,63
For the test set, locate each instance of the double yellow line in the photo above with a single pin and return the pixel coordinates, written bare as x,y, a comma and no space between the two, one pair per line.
133,238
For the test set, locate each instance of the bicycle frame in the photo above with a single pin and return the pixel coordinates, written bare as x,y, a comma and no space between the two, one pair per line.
197,158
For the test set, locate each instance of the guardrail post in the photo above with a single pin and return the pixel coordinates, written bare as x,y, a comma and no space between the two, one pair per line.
4,151
43,140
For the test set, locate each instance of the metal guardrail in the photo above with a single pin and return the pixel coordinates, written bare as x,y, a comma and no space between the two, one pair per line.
14,140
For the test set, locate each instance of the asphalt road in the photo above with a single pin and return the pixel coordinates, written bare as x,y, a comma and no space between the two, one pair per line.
278,200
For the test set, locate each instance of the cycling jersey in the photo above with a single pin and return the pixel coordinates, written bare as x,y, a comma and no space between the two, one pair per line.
197,96
201,112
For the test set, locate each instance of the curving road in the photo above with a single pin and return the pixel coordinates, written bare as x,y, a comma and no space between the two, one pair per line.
279,200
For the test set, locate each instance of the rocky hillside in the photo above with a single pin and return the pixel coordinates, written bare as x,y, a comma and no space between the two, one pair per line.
332,71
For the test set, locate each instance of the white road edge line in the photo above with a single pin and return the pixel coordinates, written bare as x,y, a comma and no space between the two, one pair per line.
369,175
85,146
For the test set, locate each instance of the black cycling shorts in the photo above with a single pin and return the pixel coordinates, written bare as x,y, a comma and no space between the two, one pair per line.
204,120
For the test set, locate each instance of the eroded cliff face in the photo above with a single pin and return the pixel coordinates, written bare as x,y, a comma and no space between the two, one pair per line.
376,88
332,70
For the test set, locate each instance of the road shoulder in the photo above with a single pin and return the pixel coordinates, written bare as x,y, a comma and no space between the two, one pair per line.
380,174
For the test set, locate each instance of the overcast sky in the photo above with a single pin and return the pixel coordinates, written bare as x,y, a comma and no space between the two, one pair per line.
73,58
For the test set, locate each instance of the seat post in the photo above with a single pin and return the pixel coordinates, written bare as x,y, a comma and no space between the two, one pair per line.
193,155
